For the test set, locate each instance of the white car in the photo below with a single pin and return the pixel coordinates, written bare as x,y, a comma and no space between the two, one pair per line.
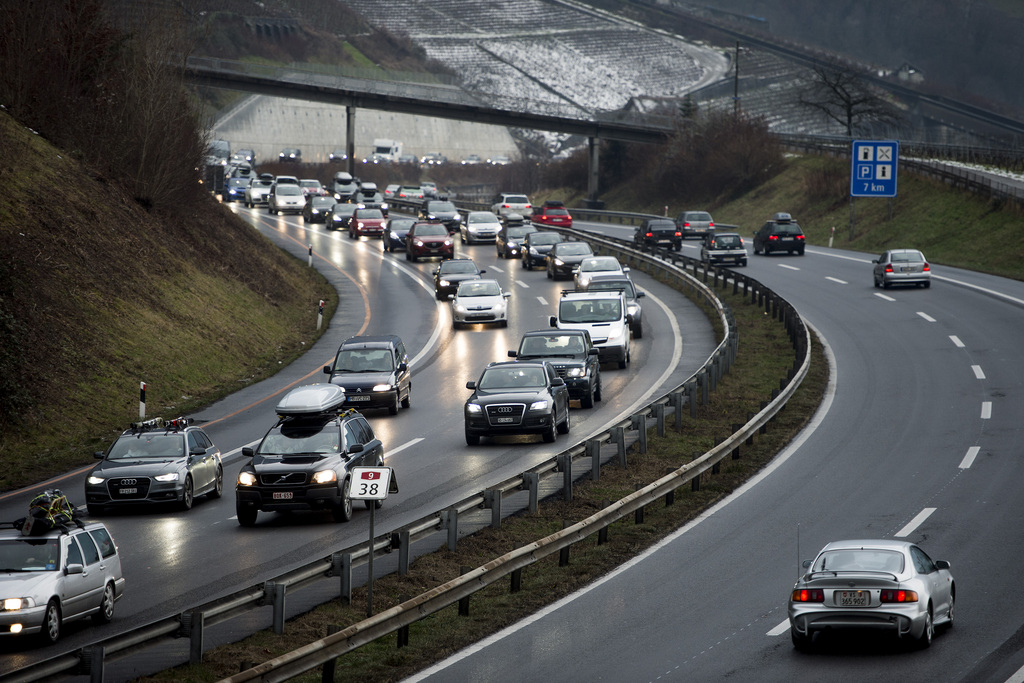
479,226
479,301
602,314
507,203
285,198
596,265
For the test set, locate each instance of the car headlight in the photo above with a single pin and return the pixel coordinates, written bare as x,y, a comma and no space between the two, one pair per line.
459,308
246,479
632,309
474,408
314,211
418,243
325,477
359,225
559,262
383,387
14,604
448,243
94,479
384,206
576,372
173,476
539,405
444,283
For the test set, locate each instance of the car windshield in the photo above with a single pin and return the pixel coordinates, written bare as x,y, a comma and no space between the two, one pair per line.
449,267
29,554
302,439
289,190
512,378
727,241
486,217
590,311
441,206
479,288
147,445
370,213
545,238
859,559
573,249
400,223
344,209
600,265
431,230
364,360
517,233
321,202
552,345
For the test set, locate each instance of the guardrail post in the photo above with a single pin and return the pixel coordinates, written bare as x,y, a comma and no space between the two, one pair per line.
659,417
327,671
704,389
736,451
492,500
691,398
594,453
464,602
713,371
639,423
619,439
342,565
92,663
670,497
280,593
532,482
451,523
516,582
196,621
563,554
565,467
403,540
638,516
676,401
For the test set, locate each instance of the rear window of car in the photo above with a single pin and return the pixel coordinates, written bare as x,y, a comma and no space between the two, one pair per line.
907,256
516,199
702,216
787,229
661,225
555,212
545,238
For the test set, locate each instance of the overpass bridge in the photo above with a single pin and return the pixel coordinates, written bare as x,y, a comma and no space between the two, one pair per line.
433,100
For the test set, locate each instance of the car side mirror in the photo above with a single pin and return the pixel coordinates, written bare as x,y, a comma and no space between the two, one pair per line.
482,271
451,297
198,450
625,269
558,382
511,354
641,295
247,451
507,295
98,455
327,369
806,564
593,352
355,448
554,321
403,366
73,569
941,564
471,385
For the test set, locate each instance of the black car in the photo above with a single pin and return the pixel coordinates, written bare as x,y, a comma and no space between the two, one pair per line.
621,283
535,247
341,214
781,233
451,272
395,233
290,154
373,371
658,232
574,357
565,257
318,209
510,239
156,461
517,397
441,211
303,462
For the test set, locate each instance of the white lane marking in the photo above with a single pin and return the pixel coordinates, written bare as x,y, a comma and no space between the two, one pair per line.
926,316
542,300
835,279
780,629
956,341
883,296
783,265
392,451
968,460
496,269
986,410
1017,677
522,284
915,522
978,372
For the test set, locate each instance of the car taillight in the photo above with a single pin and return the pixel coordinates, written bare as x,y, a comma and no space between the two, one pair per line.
888,267
898,595
711,224
926,268
772,237
799,237
808,595
650,234
686,224
678,234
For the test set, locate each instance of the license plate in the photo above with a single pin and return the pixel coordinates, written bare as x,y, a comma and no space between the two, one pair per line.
126,492
505,420
906,269
282,495
853,598
358,398
787,239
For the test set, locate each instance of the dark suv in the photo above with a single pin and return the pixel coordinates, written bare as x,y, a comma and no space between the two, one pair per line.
303,462
781,233
373,371
441,211
658,232
574,357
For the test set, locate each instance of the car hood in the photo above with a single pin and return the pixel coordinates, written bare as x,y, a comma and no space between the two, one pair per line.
292,463
573,258
472,302
37,585
138,467
526,394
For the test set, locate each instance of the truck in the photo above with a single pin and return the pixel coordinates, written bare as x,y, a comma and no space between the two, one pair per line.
385,151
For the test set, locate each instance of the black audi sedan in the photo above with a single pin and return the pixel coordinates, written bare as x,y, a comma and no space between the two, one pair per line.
517,397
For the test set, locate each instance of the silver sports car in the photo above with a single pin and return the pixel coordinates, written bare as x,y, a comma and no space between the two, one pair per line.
872,584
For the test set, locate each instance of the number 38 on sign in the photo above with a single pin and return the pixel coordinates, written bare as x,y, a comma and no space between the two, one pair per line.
371,483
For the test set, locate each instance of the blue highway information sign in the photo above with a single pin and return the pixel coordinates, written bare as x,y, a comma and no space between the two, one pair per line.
873,165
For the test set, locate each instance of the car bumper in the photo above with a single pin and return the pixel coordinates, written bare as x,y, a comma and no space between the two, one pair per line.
370,400
906,278
30,620
609,353
727,257
158,492
481,235
491,316
422,252
531,424
904,621
319,498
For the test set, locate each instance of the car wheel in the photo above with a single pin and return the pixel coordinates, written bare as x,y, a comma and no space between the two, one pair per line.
925,640
504,323
552,432
456,325
472,439
343,511
51,623
587,401
927,285
187,495
801,642
622,364
462,238
218,486
563,428
949,615
94,510
743,263
876,283
408,256
886,285
106,613
415,258
246,515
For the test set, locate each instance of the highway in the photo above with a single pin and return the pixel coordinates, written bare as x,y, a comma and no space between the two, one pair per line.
174,561
919,439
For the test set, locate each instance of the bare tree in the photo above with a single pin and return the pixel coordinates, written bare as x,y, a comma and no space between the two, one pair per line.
845,97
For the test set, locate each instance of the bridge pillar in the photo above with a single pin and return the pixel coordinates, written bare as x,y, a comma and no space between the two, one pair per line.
593,147
350,138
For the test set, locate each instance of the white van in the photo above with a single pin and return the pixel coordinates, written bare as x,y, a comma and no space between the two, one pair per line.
603,315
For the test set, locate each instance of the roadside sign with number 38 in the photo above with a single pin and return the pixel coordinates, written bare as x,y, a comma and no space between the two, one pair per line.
372,483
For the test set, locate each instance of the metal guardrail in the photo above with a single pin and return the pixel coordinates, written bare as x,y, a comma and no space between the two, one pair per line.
660,263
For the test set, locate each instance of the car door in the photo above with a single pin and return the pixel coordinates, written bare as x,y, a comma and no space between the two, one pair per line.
203,465
939,586
81,590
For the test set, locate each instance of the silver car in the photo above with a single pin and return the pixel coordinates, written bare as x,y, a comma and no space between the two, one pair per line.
49,579
479,226
885,585
694,223
479,301
902,267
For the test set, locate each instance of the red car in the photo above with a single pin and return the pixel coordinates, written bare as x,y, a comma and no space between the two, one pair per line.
366,222
552,213
429,239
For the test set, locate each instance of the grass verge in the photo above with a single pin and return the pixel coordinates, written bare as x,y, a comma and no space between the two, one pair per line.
439,635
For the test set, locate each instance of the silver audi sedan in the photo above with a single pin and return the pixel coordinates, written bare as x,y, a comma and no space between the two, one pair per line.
885,585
